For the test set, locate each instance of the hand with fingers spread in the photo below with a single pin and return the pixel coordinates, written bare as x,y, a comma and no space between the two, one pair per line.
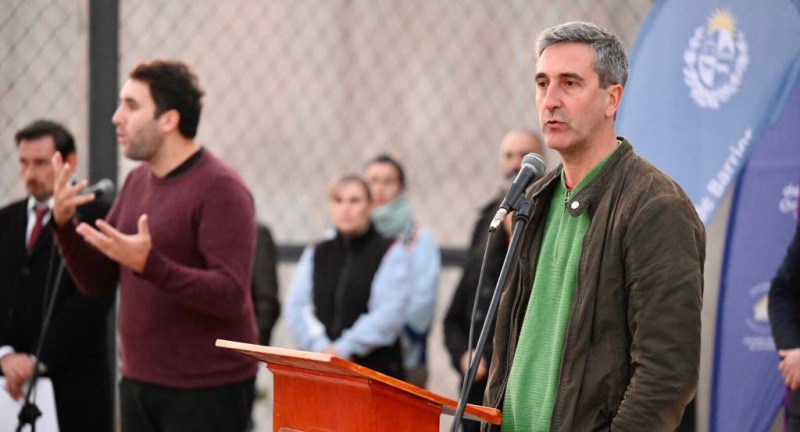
129,250
65,196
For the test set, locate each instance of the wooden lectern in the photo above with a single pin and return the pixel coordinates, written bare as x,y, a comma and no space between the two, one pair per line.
316,392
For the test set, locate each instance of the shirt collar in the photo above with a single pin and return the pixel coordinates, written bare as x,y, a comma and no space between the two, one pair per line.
32,203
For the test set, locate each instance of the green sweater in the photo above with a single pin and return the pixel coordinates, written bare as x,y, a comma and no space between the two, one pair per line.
532,385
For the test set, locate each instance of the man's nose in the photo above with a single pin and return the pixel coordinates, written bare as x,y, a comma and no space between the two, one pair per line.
552,99
116,119
518,163
28,171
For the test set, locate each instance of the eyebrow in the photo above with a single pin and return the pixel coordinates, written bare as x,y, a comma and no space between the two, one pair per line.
129,100
570,75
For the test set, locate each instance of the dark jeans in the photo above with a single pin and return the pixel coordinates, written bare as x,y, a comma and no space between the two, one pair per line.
153,408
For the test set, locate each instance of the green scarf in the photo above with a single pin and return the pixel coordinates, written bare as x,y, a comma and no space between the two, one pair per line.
391,219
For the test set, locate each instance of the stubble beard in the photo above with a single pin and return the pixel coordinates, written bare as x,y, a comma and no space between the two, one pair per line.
144,147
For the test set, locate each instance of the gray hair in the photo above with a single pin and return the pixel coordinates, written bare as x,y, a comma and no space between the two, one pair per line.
610,61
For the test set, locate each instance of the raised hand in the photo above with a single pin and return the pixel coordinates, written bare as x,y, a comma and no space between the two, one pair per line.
65,196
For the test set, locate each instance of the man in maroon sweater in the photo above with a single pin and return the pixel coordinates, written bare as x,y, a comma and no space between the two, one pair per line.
180,241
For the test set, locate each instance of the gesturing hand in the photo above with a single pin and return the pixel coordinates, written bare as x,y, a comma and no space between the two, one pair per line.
129,250
65,196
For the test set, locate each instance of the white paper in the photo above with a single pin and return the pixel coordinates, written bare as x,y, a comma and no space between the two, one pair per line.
43,398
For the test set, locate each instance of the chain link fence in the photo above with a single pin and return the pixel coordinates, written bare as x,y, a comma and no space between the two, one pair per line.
43,73
300,91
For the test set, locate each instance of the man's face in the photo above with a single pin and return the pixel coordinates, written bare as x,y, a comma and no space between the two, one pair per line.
572,106
514,147
137,128
384,182
349,208
36,168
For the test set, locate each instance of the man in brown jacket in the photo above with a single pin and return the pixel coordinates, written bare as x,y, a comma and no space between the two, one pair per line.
599,326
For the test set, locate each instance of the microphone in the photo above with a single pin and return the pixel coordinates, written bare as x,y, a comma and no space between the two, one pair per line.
533,167
103,187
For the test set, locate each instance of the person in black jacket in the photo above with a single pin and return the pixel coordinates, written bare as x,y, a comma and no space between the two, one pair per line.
784,318
515,145
349,293
75,354
266,305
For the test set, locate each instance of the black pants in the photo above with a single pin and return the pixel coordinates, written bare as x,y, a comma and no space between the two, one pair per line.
792,408
153,408
689,418
475,397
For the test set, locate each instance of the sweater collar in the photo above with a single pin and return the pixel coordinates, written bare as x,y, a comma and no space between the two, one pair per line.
185,165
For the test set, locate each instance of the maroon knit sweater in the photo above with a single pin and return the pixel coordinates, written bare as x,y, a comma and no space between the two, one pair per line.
195,287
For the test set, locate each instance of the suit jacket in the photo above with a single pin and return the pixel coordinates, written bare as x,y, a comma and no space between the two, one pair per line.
459,314
75,350
265,284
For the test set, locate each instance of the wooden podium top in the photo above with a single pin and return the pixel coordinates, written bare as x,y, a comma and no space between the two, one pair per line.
328,363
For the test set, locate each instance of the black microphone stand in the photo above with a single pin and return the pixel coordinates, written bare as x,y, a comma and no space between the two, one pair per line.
29,412
520,221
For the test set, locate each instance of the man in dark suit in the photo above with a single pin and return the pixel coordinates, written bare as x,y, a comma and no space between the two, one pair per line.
515,145
266,304
75,351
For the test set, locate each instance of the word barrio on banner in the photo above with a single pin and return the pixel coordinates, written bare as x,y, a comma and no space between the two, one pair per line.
706,78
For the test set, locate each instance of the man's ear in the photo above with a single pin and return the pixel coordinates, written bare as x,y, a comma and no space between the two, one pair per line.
614,98
169,121
72,160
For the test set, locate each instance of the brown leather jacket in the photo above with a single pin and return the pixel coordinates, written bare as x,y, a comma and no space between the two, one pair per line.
632,342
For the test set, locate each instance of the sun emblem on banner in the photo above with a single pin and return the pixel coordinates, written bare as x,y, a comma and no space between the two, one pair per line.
716,60
758,319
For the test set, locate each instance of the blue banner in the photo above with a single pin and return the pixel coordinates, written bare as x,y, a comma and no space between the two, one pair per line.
747,387
705,78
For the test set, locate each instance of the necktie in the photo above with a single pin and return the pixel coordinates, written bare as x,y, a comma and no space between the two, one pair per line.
37,226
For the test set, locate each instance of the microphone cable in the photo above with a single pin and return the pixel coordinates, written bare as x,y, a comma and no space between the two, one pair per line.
469,376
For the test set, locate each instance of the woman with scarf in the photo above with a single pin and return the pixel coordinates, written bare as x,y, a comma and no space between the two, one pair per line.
392,216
